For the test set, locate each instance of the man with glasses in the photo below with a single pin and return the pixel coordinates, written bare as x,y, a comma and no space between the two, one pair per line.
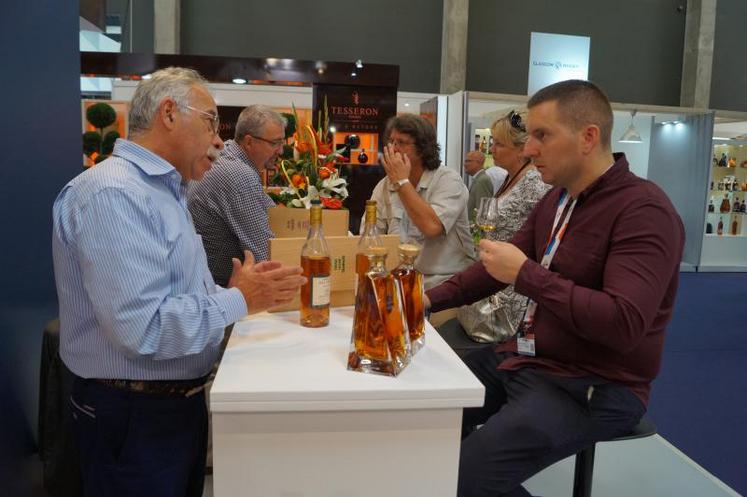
141,320
229,206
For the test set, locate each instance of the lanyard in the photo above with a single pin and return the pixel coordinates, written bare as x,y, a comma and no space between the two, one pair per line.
525,337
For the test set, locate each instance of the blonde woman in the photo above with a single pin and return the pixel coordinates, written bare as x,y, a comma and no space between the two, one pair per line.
496,318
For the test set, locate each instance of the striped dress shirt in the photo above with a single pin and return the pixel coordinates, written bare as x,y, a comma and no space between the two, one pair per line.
229,207
136,298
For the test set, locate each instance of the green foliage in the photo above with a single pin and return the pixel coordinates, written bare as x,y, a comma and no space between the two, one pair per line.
101,115
291,125
287,152
91,142
108,144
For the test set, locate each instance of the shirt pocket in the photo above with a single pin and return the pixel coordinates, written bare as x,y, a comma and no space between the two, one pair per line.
398,216
581,257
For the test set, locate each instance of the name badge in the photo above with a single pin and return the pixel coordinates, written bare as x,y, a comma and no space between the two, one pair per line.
525,345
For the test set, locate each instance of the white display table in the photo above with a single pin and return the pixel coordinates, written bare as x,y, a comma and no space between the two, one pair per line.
289,420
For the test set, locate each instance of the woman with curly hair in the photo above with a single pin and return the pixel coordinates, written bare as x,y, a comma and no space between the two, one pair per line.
423,199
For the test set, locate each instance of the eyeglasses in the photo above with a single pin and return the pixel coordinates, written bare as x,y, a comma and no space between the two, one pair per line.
273,143
515,120
213,119
399,143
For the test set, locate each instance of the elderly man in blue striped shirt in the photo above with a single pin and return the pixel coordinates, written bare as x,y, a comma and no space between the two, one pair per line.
229,206
141,317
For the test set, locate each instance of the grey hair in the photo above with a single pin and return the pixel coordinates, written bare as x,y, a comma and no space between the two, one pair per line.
174,82
253,119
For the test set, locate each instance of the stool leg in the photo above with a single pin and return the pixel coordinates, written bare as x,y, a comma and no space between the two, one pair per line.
583,473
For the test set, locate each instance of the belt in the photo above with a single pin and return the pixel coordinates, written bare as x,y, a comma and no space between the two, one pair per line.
167,388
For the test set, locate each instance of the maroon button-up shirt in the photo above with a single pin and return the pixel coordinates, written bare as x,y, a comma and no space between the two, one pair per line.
608,295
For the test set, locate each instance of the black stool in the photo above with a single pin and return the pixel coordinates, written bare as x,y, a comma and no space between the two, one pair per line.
584,471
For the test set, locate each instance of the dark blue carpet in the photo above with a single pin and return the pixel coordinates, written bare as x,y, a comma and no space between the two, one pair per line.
699,400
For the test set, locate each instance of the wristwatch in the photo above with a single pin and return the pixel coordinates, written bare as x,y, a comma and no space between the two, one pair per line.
400,183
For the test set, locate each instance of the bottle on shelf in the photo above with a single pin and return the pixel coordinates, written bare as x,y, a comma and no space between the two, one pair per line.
725,205
362,157
316,263
743,207
715,161
722,161
736,206
411,283
709,228
732,162
710,205
720,185
734,227
720,227
484,145
380,341
369,238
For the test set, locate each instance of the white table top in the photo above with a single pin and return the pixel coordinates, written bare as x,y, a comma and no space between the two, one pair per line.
273,364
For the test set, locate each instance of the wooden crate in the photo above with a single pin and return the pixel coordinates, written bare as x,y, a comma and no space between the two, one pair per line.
343,250
287,222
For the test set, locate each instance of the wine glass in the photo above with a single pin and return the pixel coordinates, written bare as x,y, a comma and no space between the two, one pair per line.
487,215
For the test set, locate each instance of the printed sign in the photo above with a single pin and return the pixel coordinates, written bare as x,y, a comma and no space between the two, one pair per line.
555,57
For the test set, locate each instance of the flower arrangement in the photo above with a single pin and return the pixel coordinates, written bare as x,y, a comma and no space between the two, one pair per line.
311,174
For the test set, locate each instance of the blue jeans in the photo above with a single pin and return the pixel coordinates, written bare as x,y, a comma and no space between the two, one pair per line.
532,419
137,444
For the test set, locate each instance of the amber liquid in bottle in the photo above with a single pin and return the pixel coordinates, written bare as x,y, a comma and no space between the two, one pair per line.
411,283
317,271
316,264
380,341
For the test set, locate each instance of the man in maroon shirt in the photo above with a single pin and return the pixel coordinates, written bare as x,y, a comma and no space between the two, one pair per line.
599,258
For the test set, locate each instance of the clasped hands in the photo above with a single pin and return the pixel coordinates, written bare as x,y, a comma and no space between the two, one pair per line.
265,284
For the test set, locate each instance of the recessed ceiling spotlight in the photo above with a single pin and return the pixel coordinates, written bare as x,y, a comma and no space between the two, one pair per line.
354,74
359,64
239,81
407,104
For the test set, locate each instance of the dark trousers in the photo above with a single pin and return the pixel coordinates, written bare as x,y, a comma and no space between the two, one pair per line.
137,444
532,419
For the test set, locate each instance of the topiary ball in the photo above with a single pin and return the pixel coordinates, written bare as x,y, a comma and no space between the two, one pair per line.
101,115
100,158
91,142
107,145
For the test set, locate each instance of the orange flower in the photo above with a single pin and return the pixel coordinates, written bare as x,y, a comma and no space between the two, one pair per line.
298,181
331,203
324,173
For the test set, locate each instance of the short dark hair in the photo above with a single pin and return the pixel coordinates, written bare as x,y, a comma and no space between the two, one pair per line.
422,132
580,103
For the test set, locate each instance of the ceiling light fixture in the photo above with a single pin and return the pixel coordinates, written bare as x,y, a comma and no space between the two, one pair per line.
239,81
359,64
631,135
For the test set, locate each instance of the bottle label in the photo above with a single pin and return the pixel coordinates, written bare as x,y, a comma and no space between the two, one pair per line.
320,287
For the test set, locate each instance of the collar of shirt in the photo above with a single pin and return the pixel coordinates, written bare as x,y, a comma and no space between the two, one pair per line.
423,184
234,149
149,163
618,169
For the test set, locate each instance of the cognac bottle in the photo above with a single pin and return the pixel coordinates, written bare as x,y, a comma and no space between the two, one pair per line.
734,226
362,157
720,227
380,341
411,283
725,205
369,238
710,205
316,264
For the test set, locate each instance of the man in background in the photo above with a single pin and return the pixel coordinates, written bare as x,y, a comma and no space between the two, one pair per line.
229,206
481,185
